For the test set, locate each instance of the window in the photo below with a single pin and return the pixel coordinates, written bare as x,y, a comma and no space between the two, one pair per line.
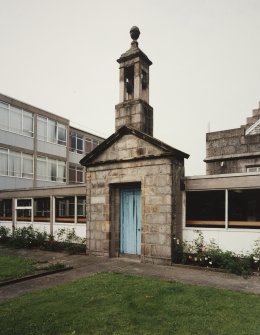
65,209
24,210
42,128
81,209
205,209
62,133
4,111
208,209
76,174
253,169
6,210
90,144
16,164
244,208
27,166
51,131
71,209
41,209
16,120
3,162
76,143
50,169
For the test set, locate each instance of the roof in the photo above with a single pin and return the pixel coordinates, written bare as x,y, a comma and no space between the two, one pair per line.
133,52
125,130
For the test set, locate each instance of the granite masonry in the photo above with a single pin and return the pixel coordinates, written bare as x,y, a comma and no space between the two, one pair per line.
235,150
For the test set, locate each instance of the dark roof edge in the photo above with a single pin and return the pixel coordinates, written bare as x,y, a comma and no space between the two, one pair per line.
138,53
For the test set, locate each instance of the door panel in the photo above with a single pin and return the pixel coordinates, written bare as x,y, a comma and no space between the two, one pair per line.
130,221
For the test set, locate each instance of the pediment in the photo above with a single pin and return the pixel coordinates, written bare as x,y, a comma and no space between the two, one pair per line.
129,144
254,129
128,147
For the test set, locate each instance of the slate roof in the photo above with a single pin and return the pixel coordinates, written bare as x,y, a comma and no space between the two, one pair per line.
126,130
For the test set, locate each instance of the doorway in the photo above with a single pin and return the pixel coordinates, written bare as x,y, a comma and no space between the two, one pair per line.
130,221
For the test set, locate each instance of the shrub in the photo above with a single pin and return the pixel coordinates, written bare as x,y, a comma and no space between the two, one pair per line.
210,255
66,239
27,237
4,234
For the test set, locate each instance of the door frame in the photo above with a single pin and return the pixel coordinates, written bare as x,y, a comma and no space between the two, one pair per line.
132,237
114,216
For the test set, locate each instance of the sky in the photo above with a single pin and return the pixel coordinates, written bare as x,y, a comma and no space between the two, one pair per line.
60,55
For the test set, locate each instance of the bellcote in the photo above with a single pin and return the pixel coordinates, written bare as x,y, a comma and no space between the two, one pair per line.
133,108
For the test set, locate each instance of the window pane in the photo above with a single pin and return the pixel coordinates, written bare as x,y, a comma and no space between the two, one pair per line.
61,171
72,141
27,123
42,128
4,112
64,210
205,209
52,170
15,120
244,208
95,144
24,202
27,166
6,209
41,168
15,164
79,175
42,209
88,145
3,162
72,174
79,144
52,131
62,134
24,215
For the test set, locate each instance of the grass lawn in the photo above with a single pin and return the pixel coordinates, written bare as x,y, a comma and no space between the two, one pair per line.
119,304
15,267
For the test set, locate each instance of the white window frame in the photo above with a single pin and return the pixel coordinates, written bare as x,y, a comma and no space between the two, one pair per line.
57,124
45,177
22,114
21,153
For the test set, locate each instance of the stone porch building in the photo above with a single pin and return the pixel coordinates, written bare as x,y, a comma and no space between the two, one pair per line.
133,180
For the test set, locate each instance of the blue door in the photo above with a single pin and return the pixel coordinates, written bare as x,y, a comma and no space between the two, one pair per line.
130,221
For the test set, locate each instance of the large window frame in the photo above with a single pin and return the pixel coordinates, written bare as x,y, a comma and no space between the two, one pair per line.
24,210
51,169
16,164
51,131
17,120
6,209
70,209
239,212
76,174
76,142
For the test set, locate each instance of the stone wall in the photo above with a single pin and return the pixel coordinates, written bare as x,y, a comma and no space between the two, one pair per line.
159,180
231,151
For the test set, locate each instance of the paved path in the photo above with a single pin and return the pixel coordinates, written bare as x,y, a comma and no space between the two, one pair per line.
89,265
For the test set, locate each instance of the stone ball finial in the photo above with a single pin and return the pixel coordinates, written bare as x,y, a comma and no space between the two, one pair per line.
134,33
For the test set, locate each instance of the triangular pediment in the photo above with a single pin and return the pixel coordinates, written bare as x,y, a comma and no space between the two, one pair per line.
254,129
129,144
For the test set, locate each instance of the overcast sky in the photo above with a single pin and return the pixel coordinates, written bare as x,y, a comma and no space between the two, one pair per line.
60,55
